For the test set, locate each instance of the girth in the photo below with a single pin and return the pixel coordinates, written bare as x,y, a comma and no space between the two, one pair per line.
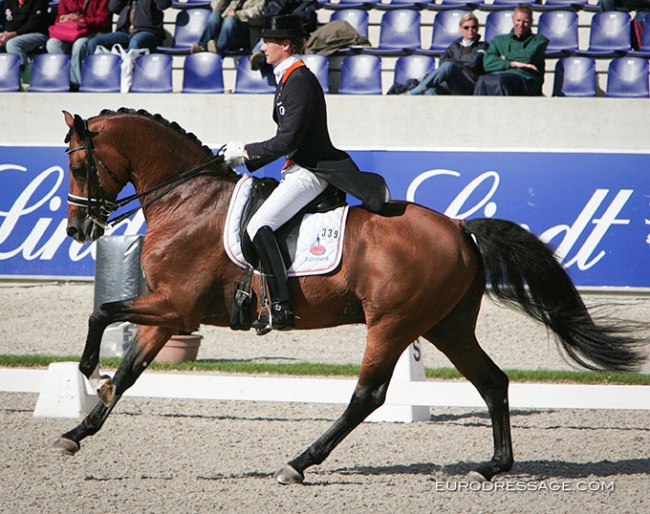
329,199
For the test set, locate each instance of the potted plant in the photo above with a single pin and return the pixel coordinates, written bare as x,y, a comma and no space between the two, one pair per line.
182,346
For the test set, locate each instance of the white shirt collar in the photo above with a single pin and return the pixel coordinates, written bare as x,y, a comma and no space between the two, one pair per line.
284,66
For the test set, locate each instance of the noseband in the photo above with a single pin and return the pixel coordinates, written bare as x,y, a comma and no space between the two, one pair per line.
99,208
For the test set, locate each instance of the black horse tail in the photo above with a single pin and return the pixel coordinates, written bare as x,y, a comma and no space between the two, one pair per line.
514,258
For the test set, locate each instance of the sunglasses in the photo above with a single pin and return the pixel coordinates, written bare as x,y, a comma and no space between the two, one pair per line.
467,27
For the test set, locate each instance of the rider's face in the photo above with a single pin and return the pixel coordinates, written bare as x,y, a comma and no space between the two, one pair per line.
276,50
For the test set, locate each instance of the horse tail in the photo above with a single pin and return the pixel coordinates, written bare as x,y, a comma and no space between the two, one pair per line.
514,258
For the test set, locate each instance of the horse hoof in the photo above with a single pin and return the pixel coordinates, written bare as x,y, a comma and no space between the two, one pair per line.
475,476
289,475
65,446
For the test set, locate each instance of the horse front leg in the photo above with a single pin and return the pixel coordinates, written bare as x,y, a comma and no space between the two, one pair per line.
149,341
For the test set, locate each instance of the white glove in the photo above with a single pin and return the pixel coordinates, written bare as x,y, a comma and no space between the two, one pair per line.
234,154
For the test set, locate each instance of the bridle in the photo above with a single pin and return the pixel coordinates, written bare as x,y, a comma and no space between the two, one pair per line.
99,208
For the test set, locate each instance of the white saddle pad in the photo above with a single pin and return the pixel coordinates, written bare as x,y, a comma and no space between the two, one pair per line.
320,240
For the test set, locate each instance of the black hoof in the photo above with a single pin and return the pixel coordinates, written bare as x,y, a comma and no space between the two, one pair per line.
66,446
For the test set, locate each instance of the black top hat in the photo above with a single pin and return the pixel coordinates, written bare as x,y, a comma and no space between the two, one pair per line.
287,26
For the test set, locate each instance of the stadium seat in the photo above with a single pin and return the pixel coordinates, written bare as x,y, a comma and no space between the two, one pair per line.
497,23
9,72
249,81
627,77
564,5
360,75
575,77
609,35
465,5
188,28
190,4
644,49
203,73
399,33
561,28
319,66
413,67
152,74
101,73
500,5
446,29
347,4
358,18
50,73
389,5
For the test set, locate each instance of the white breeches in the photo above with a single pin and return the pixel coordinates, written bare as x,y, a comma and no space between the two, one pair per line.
298,187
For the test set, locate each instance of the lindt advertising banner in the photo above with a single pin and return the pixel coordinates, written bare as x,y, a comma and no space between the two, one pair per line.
593,208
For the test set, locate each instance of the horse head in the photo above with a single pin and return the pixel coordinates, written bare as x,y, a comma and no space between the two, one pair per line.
94,181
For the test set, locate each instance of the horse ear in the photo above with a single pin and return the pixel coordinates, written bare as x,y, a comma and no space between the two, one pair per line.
68,118
79,124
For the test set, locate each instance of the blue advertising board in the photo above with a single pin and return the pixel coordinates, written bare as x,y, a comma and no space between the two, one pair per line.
592,207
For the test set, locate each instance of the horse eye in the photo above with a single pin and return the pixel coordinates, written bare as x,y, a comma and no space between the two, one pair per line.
78,171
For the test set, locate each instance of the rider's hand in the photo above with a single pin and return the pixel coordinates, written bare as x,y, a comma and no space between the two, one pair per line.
235,154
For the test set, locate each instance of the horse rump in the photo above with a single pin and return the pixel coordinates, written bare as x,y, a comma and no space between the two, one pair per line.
524,273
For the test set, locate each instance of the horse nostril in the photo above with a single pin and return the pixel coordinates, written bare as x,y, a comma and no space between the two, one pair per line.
72,231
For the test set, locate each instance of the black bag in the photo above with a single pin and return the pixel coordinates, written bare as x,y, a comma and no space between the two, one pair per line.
306,9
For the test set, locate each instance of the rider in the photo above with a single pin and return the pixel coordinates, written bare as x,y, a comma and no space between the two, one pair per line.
312,162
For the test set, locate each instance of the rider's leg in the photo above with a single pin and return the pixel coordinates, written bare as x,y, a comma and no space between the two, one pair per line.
298,187
272,265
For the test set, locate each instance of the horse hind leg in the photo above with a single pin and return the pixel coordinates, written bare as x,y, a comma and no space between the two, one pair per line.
369,395
464,352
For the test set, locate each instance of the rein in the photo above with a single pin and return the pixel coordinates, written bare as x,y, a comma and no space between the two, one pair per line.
98,207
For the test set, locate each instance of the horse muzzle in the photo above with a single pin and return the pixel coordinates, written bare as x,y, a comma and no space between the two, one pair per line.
83,229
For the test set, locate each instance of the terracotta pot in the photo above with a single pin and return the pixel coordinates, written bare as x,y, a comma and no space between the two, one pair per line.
180,348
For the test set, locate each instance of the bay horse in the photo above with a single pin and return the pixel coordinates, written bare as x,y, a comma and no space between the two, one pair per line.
407,272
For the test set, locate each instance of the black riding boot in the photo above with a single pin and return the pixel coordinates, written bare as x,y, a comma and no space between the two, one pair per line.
275,272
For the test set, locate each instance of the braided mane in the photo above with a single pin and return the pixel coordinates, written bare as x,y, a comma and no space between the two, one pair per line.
159,119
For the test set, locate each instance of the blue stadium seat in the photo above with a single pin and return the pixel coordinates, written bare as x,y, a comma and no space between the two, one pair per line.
627,77
575,77
561,28
101,73
9,72
465,5
565,5
347,4
50,73
399,33
188,29
413,67
500,5
388,5
609,36
358,18
203,73
152,74
319,66
446,29
249,81
497,23
190,4
360,75
644,49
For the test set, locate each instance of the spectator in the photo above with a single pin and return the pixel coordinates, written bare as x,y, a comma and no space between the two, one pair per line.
229,26
514,63
460,64
25,28
139,25
96,18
